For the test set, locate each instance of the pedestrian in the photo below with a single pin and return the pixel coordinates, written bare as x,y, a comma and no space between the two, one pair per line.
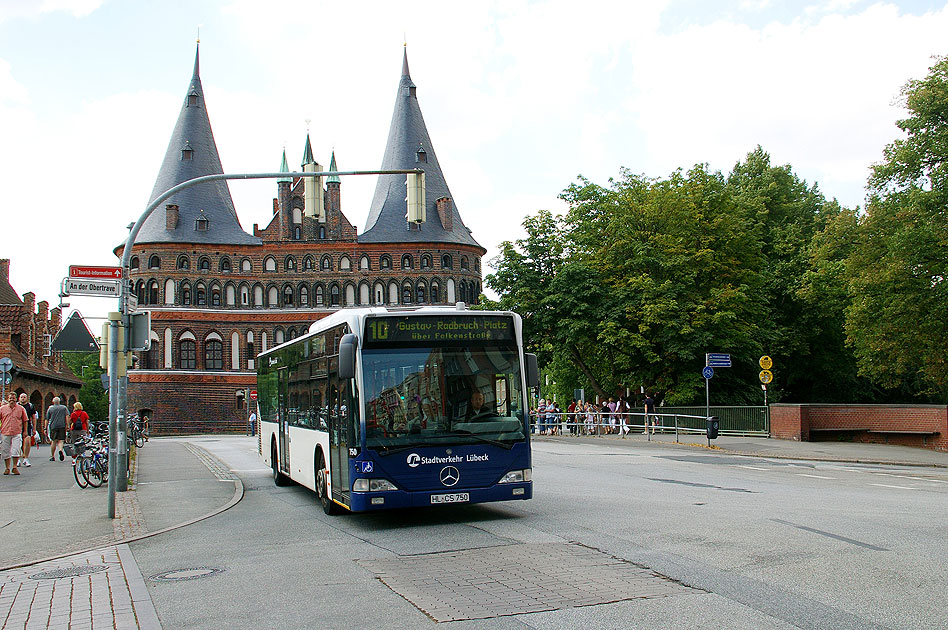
253,423
56,417
622,410
12,433
551,410
571,420
78,423
604,417
590,418
146,430
541,417
649,413
32,435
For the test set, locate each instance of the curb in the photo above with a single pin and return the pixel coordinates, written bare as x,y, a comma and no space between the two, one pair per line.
235,499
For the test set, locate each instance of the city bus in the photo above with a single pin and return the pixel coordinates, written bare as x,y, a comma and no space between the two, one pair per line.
378,408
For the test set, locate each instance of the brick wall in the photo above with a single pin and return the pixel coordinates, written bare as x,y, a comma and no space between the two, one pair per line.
189,403
863,423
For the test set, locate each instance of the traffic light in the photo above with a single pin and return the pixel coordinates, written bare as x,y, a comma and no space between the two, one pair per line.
139,335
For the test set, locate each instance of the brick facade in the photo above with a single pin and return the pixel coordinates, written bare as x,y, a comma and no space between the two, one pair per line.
26,330
908,425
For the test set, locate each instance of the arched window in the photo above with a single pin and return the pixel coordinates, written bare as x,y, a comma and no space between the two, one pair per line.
230,295
204,263
215,295
133,263
406,293
278,336
308,264
447,262
184,262
477,264
154,262
425,261
169,291
407,262
251,355
258,296
304,296
200,296
244,296
153,292
288,295
270,264
246,265
464,262
364,263
322,231
421,293
378,293
319,295
326,263
186,294
187,352
291,334
225,265
297,232
435,293
334,294
350,295
385,262
345,264
393,292
213,352
273,297
289,264
364,293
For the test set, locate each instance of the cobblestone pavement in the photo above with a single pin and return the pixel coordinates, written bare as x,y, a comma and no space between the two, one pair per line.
96,589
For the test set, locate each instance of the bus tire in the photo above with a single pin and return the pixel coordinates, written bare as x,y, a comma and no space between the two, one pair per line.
322,491
279,479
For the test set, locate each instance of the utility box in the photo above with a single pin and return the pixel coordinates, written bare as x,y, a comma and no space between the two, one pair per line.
712,428
140,331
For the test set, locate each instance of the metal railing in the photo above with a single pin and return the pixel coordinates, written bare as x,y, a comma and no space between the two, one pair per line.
677,420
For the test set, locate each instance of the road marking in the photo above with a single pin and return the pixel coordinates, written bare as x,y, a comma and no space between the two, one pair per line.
830,535
814,476
882,485
752,467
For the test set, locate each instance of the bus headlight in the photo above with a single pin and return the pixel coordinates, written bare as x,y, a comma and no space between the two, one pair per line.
517,476
372,485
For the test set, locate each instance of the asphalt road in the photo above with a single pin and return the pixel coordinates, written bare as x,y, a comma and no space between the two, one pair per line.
762,544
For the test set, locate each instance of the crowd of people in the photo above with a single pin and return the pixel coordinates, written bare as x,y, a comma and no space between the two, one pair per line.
612,416
21,428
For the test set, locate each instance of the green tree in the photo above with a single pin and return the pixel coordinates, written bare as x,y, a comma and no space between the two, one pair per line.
94,399
897,321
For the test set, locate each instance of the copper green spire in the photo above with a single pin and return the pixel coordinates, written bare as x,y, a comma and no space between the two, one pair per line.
332,167
284,168
308,153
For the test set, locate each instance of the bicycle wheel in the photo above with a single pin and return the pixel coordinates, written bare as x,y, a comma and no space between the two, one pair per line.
77,472
139,439
95,473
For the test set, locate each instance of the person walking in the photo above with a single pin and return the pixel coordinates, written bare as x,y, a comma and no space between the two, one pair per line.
56,417
253,423
650,413
32,418
12,433
78,423
622,410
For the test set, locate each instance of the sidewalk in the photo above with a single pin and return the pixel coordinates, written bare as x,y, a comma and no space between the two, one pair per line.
835,451
45,517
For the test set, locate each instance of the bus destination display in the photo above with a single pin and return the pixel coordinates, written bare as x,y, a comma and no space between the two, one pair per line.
438,330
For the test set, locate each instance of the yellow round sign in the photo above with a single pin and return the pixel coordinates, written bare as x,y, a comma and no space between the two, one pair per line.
766,363
766,376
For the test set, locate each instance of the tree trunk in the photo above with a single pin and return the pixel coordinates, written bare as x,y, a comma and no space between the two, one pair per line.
585,370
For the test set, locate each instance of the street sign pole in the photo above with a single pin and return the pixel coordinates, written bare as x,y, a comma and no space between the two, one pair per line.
114,319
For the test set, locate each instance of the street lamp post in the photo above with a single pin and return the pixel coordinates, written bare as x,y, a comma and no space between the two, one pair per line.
119,321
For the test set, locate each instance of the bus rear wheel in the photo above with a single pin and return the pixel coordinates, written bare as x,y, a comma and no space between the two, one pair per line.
279,479
322,490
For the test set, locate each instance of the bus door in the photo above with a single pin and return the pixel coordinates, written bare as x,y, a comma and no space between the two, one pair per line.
338,438
283,419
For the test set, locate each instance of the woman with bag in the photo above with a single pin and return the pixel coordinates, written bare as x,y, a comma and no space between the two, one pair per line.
78,423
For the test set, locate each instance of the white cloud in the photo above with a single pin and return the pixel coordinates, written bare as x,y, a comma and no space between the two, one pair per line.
10,9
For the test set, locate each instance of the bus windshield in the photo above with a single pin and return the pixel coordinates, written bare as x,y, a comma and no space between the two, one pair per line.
440,396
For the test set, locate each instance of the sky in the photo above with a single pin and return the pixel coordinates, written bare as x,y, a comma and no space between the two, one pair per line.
520,99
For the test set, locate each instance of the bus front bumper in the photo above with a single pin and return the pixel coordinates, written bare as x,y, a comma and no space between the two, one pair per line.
366,501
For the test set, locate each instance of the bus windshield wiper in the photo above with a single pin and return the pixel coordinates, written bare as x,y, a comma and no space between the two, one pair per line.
481,438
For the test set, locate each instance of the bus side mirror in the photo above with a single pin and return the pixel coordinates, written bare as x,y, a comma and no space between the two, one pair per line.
533,369
347,356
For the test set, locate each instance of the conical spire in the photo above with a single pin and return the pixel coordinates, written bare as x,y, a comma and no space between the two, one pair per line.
284,168
333,179
410,147
192,153
308,153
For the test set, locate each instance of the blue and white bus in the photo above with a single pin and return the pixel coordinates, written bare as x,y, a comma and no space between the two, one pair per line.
378,408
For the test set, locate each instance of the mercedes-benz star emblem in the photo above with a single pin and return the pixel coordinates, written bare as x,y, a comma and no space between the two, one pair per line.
449,475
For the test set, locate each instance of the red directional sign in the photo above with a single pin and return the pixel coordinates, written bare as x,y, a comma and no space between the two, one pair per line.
100,273
253,394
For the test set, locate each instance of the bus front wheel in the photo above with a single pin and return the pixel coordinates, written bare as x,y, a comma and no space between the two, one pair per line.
279,479
322,490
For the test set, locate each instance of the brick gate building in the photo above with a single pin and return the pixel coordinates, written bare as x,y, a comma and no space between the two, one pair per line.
219,295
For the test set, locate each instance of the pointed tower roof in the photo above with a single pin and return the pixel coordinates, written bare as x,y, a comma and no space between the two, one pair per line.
284,168
192,153
308,153
333,179
409,147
